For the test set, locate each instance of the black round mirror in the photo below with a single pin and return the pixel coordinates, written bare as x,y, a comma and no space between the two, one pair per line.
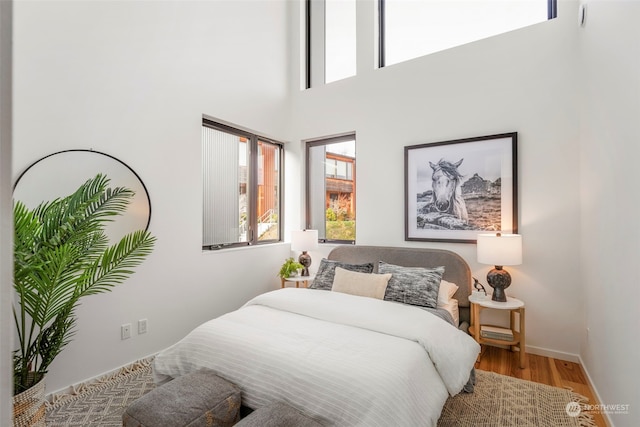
60,174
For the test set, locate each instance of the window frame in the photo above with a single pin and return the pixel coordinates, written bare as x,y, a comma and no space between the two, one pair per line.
252,172
316,142
552,9
307,43
552,12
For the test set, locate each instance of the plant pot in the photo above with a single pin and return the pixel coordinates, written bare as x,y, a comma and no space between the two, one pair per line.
29,407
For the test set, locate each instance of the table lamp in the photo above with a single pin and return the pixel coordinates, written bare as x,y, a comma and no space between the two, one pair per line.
499,250
304,240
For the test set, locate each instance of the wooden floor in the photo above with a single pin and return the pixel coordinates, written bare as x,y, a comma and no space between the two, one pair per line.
540,369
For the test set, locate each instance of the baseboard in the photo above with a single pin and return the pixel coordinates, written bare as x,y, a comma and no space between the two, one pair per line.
74,388
554,354
604,414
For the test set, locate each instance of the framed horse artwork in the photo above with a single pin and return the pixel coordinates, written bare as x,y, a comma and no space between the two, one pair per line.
457,189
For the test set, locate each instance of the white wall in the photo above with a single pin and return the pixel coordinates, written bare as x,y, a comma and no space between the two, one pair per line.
521,81
6,218
609,133
132,79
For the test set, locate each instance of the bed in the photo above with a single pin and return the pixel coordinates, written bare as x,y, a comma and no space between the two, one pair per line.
341,358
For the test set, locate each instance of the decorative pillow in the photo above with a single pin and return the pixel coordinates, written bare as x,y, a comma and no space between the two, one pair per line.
361,284
446,292
412,285
326,271
453,309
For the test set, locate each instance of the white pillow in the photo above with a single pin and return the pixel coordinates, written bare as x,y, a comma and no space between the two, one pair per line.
361,284
446,291
452,308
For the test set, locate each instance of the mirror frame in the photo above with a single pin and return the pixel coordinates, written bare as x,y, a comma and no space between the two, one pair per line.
32,165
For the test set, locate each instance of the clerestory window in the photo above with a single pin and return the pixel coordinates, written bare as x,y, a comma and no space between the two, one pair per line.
407,29
410,28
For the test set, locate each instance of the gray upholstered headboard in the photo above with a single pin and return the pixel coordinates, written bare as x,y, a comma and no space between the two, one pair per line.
456,269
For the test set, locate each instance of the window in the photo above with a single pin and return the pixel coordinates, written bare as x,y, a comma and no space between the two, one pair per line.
242,180
339,169
340,39
331,188
409,28
331,41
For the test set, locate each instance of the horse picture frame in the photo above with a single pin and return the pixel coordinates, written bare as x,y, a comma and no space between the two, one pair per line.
456,189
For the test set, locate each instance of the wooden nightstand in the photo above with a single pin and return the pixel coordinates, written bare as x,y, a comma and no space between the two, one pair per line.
514,306
298,280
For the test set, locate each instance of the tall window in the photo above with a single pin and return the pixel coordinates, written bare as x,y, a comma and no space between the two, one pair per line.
340,39
242,178
331,41
331,188
409,28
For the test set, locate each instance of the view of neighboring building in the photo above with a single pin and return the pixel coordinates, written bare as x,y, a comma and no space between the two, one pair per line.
340,186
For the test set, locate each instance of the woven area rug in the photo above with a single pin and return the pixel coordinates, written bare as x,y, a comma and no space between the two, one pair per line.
102,402
498,400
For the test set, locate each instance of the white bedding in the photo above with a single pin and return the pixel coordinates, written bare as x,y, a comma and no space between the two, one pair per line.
342,359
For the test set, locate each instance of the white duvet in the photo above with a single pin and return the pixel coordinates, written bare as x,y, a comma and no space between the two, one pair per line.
342,359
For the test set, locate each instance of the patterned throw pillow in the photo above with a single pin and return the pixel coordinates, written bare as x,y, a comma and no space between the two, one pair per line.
327,269
412,285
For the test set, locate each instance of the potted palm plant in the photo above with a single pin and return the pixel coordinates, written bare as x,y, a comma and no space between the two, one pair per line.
62,254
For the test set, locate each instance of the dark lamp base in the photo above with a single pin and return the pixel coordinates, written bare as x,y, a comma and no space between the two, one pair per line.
305,260
499,280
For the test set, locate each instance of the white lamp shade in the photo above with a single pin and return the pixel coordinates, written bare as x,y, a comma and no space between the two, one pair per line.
304,240
500,249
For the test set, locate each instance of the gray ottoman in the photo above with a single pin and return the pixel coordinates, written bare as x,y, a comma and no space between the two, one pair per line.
198,399
277,415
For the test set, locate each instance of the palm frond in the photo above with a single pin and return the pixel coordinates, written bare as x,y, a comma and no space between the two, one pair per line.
27,231
83,212
117,262
55,337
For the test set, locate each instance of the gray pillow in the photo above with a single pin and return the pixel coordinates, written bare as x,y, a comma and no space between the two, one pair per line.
327,269
412,285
